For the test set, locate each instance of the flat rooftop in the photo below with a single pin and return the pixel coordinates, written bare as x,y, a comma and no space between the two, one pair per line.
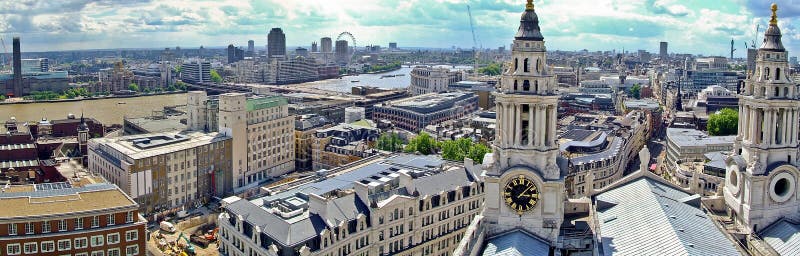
431,102
148,145
696,138
27,201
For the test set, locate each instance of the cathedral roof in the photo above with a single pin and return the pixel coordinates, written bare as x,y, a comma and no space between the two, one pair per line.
772,37
529,25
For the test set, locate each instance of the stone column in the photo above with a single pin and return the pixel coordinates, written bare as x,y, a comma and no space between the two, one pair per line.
518,126
745,128
498,135
530,125
508,115
551,126
741,120
785,126
768,123
540,125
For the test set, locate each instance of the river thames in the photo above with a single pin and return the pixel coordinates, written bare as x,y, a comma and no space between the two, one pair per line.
107,111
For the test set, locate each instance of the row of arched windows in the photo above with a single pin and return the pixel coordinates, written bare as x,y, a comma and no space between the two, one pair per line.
525,65
777,73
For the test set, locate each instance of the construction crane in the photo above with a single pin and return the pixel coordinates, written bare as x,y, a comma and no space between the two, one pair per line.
474,41
5,51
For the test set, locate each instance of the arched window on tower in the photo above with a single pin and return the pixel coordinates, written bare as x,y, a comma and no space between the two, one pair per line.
515,85
516,63
766,73
526,85
763,91
525,66
777,91
536,86
786,92
778,74
538,66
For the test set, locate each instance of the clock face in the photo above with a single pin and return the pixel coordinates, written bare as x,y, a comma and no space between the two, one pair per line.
521,194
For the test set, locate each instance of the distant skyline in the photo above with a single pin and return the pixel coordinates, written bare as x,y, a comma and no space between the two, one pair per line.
690,26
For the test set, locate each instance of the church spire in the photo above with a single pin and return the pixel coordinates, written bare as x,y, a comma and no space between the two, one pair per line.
772,37
529,25
772,21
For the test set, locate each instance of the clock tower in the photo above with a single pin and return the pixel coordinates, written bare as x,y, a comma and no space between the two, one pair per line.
524,183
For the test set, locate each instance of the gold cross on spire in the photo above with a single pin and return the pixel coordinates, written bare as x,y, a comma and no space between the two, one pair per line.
529,6
774,20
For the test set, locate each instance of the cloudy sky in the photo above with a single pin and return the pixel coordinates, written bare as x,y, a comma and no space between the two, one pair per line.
693,26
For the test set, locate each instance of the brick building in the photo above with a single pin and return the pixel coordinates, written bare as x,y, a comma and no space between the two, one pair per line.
70,219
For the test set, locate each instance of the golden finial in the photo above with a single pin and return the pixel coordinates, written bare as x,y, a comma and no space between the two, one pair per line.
529,6
774,20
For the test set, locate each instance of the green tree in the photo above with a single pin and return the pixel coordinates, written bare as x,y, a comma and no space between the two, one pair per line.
390,142
180,85
422,143
2,97
215,77
723,122
133,87
492,69
457,150
635,90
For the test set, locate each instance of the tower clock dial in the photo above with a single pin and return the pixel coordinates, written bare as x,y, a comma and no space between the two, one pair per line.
521,194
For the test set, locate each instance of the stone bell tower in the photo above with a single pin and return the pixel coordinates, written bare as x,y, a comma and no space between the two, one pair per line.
525,146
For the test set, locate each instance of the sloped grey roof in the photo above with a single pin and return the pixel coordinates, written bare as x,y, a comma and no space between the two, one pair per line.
285,233
515,243
345,208
783,236
646,217
444,181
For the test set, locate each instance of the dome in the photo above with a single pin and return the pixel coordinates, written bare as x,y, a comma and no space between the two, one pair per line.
529,25
772,37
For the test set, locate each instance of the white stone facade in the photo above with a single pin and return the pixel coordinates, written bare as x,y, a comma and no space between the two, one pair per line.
762,176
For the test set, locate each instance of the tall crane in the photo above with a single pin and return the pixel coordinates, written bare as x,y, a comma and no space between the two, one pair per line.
5,51
474,41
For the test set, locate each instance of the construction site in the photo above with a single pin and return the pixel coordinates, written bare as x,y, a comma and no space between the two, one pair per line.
192,236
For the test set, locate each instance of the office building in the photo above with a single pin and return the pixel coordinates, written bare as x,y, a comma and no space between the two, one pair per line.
385,205
314,47
426,79
342,144
39,65
263,138
79,218
663,54
291,71
165,171
305,127
251,48
393,46
327,44
300,51
342,55
196,71
686,148
416,112
276,44
235,54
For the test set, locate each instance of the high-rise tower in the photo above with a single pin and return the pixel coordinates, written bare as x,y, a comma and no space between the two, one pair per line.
762,171
276,43
327,44
17,55
525,185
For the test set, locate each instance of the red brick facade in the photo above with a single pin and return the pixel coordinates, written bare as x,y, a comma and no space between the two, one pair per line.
120,237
